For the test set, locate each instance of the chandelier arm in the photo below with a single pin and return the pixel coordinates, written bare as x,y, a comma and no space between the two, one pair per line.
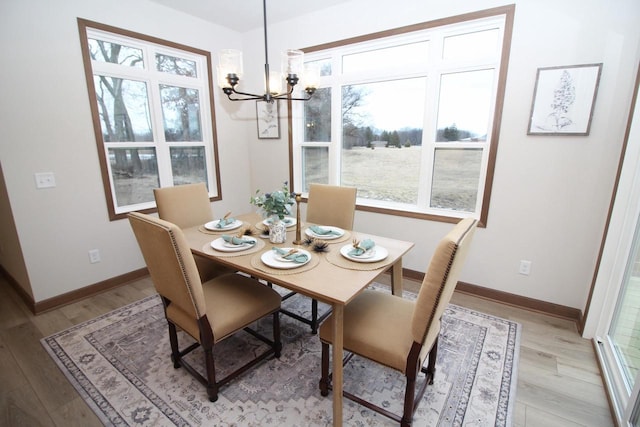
242,99
248,96
254,95
284,95
291,98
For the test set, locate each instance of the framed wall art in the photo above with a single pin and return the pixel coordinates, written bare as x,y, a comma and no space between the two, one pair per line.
563,100
267,117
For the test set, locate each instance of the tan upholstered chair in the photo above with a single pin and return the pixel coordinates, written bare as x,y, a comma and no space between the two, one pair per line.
327,205
400,333
331,205
209,311
186,206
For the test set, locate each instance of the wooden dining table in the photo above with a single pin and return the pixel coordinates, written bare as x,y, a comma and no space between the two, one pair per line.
328,277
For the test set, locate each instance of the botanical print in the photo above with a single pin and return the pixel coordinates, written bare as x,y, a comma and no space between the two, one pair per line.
267,113
563,100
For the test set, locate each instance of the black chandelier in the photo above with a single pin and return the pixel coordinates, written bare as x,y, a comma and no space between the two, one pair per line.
230,72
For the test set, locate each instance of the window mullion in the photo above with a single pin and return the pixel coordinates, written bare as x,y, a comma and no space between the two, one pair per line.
335,148
430,122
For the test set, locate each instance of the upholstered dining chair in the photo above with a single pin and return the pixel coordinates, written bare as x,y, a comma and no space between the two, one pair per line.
209,312
326,205
186,206
331,205
400,333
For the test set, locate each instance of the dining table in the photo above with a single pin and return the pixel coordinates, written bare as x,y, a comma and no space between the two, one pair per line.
330,276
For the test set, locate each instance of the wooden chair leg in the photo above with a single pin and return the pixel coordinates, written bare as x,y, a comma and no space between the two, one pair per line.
324,378
173,339
409,395
431,365
212,386
314,316
277,344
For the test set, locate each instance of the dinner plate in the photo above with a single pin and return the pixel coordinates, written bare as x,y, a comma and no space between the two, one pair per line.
309,232
272,259
291,221
378,253
221,245
211,225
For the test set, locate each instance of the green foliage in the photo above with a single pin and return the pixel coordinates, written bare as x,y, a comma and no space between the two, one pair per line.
451,133
278,202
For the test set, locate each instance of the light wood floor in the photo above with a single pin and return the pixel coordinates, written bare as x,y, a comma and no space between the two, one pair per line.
558,379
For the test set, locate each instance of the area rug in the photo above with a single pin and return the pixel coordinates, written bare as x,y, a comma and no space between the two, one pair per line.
120,364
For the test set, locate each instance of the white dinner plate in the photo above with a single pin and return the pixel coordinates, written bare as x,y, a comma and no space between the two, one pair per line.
211,225
221,245
309,232
291,221
272,259
378,253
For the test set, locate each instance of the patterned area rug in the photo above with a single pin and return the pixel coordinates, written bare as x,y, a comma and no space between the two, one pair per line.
120,364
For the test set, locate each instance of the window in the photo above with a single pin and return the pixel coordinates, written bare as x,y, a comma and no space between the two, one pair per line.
409,116
153,116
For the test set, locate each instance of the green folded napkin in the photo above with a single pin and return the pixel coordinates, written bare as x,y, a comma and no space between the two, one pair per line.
235,240
295,257
321,231
223,222
364,246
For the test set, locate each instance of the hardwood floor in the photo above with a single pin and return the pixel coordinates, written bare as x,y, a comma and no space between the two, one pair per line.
559,383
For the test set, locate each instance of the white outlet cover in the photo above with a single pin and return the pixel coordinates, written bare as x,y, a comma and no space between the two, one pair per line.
45,180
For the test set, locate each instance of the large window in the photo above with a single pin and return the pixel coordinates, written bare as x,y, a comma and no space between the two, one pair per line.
408,116
152,111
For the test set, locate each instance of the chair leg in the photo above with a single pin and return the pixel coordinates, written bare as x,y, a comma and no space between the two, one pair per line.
431,365
324,379
277,343
212,386
173,339
314,316
409,395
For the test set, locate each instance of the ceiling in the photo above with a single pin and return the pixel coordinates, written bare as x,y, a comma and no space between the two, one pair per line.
245,15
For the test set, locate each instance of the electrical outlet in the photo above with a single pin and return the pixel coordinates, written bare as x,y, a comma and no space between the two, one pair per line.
525,267
45,180
94,256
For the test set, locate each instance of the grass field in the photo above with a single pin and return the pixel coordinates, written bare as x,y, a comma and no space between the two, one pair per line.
393,174
385,174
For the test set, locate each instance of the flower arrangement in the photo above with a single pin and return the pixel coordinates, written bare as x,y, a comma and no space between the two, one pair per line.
278,202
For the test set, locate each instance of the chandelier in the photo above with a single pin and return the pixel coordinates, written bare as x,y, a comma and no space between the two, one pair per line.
230,71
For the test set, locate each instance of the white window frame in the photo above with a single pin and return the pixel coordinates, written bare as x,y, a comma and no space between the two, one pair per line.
435,32
153,78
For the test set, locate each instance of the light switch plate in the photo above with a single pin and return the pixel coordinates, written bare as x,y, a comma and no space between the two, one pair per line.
45,180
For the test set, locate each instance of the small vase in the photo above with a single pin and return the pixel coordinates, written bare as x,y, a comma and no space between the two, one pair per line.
277,230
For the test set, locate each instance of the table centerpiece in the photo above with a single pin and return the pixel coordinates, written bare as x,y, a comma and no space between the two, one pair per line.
275,206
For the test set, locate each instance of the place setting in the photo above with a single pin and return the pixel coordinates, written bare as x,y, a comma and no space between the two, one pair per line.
327,233
285,260
222,225
360,255
238,244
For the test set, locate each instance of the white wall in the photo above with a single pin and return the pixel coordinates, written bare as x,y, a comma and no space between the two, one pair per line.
46,127
550,194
